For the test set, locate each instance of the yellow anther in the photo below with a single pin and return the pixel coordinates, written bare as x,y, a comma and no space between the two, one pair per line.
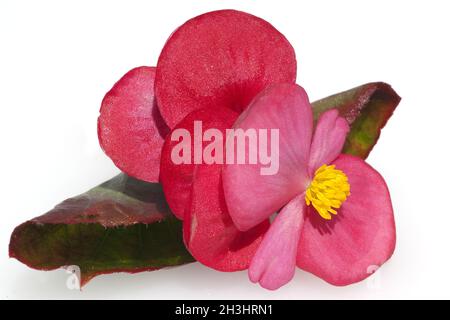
328,190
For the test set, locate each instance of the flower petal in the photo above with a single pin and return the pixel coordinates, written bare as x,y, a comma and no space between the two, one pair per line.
251,196
176,179
367,109
274,263
220,59
361,237
329,138
130,128
209,232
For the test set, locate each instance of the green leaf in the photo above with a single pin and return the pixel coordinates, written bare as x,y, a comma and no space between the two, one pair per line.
367,108
122,225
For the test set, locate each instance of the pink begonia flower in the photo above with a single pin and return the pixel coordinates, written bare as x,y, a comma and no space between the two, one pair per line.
335,215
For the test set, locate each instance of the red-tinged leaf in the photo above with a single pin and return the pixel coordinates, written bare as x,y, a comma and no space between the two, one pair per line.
367,108
122,225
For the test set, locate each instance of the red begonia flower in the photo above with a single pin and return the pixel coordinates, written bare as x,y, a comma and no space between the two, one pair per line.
335,215
130,129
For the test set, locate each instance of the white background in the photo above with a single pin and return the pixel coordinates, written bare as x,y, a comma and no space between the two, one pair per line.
58,59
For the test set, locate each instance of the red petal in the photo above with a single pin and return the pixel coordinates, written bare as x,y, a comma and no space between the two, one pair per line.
130,128
221,58
346,249
209,232
176,179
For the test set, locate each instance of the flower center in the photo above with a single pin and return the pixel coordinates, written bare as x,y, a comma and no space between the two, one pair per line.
327,191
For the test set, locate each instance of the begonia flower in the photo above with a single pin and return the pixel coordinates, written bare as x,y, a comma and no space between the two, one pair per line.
325,212
210,70
335,217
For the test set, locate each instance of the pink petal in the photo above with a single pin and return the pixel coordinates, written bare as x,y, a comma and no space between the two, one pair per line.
329,138
274,263
130,129
252,197
209,232
362,235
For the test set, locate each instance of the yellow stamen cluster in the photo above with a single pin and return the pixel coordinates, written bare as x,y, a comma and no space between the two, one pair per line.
328,190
